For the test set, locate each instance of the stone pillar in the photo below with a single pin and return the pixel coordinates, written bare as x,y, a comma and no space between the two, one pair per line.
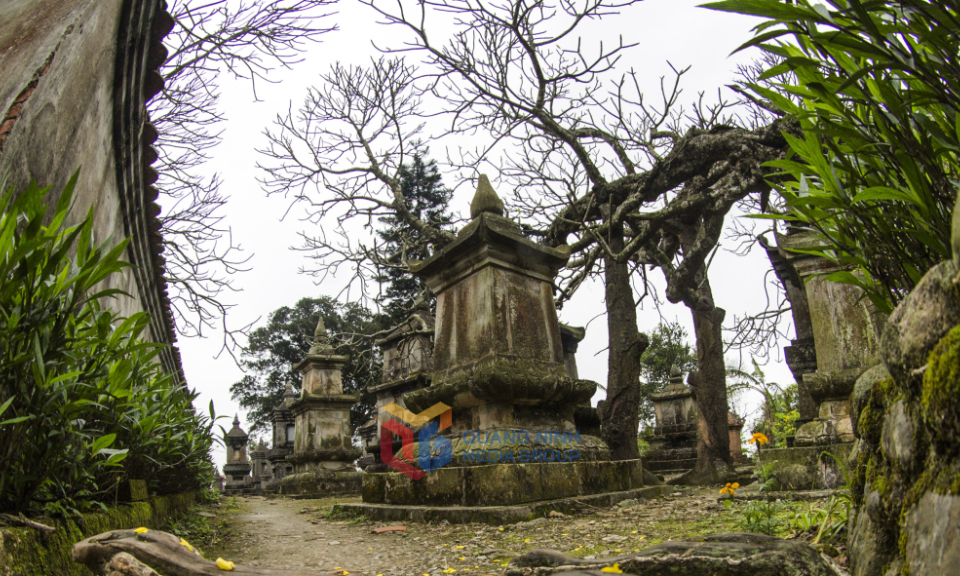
801,356
322,434
262,471
499,366
407,352
498,358
284,425
844,326
237,468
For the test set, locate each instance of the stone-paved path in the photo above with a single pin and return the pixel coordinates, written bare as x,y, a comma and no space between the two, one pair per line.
280,533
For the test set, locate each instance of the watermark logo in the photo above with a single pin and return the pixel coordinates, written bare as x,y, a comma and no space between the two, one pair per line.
428,437
480,446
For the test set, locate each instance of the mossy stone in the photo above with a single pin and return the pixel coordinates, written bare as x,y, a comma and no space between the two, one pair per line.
941,390
485,199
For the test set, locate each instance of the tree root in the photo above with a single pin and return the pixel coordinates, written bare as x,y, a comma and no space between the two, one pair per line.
126,553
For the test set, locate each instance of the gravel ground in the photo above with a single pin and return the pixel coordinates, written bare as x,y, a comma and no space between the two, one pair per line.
280,533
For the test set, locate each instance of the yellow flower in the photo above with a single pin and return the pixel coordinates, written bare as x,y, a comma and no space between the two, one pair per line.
186,545
634,532
614,569
730,489
140,530
759,438
223,564
501,528
527,540
636,549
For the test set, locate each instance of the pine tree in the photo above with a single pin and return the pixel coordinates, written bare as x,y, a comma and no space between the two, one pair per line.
427,199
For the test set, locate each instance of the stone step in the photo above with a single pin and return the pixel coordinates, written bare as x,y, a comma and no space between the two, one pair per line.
497,515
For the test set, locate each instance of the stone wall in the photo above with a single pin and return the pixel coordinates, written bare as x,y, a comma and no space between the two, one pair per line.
24,552
906,410
74,81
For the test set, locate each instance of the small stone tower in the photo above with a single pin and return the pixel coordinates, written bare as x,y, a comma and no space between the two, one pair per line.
237,468
323,453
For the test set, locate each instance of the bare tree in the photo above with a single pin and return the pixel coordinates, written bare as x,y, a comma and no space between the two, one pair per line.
628,184
247,39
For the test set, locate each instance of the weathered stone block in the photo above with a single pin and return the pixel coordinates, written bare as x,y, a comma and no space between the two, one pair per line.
899,436
373,487
920,321
820,471
933,535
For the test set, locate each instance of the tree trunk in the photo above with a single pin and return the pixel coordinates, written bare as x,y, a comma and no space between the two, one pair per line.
709,383
620,413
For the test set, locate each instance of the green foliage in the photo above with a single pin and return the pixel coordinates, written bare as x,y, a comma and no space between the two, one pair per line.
875,89
765,474
828,523
427,199
273,350
779,409
83,403
759,517
668,347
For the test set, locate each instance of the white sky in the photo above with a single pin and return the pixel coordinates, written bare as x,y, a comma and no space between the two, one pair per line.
666,30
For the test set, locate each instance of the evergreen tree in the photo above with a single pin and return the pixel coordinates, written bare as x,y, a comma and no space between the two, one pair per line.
668,348
274,349
428,200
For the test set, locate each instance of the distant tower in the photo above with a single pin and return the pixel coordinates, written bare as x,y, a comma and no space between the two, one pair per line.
262,472
237,468
283,427
322,434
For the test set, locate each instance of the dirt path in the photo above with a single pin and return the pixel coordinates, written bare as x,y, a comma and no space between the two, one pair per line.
280,533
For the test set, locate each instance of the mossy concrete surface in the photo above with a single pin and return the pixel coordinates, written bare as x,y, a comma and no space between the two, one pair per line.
808,467
320,484
25,552
497,515
503,484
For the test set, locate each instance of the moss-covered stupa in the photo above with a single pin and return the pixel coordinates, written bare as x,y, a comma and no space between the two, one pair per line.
499,365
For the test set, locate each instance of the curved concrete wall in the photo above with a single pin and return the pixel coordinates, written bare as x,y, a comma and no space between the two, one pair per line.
75,76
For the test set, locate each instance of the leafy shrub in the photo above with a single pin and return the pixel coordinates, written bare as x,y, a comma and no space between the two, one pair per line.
875,88
83,403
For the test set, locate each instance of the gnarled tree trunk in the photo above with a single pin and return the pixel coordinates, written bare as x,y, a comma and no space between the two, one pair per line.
620,413
709,383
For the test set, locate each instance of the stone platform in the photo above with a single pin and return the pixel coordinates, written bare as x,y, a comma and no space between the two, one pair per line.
320,484
503,484
808,468
495,515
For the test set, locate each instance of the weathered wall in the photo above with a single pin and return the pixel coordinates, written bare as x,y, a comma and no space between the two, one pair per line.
75,76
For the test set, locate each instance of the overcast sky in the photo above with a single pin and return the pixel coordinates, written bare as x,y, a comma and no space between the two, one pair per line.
674,31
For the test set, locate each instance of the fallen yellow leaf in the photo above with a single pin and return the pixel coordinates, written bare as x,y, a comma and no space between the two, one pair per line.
140,530
614,569
186,545
224,564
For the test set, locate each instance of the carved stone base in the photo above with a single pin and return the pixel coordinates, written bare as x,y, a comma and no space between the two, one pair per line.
503,484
